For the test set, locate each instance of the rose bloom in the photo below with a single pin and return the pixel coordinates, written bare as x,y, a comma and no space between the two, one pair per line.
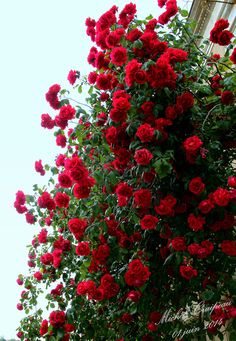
142,198
124,190
81,192
137,273
227,97
232,181
77,227
134,295
149,222
72,75
192,144
82,249
57,318
86,287
143,156
64,180
61,140
233,56
206,206
187,272
221,197
178,244
44,327
30,218
196,222
196,186
62,200
119,56
224,37
126,318
145,132
229,247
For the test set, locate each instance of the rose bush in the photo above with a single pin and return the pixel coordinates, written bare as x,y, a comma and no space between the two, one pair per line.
139,213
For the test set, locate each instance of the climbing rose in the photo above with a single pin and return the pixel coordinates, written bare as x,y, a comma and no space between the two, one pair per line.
57,318
137,273
188,272
143,156
72,75
149,222
119,56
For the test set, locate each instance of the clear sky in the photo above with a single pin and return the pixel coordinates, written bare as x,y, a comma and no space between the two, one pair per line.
40,42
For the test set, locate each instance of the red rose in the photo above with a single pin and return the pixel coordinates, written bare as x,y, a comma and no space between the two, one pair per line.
30,218
46,201
121,103
118,115
134,73
72,75
221,197
196,222
193,248
209,246
233,56
51,96
119,56
81,191
134,295
196,186
57,318
187,272
42,236
46,258
205,206
224,37
232,181
192,144
61,140
103,82
83,249
137,273
149,222
229,247
126,318
101,254
62,200
142,198
64,180
143,156
44,327
165,208
124,190
186,101
145,132
178,244
86,287
38,275
77,227
227,97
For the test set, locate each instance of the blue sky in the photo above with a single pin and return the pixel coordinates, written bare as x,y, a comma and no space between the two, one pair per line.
40,42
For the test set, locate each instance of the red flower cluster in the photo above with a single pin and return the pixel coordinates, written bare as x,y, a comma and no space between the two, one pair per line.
77,227
171,10
52,96
219,34
137,273
39,167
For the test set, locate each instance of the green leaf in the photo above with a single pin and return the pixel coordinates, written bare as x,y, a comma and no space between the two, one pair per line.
163,168
138,44
80,89
183,12
207,295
